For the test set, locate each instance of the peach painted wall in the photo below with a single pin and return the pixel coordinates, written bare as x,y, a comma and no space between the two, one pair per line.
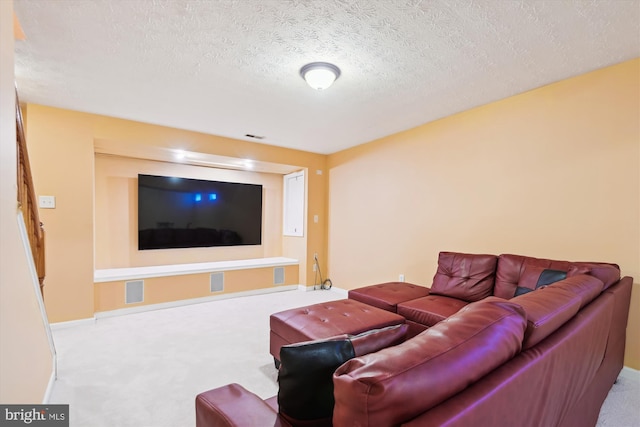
62,146
25,358
550,173
116,241
61,150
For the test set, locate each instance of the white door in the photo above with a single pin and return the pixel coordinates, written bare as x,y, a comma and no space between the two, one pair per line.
293,209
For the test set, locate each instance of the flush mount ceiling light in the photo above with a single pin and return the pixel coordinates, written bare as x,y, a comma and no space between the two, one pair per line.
320,75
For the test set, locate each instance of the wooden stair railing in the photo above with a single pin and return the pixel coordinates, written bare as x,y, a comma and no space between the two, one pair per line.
27,199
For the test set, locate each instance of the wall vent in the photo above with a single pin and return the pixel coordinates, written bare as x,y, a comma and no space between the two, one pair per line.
216,282
134,291
278,276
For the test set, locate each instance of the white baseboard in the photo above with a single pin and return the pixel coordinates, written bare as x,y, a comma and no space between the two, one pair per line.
72,323
630,373
304,288
43,312
180,303
49,390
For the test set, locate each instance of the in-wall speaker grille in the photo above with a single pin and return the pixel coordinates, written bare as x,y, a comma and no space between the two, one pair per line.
216,282
134,291
278,276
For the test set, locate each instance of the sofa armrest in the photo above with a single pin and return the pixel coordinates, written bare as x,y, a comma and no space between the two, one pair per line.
234,406
398,383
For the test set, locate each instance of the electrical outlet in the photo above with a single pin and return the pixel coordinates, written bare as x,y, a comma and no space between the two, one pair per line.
315,267
401,278
47,202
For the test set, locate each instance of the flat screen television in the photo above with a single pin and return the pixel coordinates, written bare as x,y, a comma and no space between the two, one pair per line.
186,213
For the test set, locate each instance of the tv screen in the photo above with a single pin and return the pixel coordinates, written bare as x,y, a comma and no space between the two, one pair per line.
185,213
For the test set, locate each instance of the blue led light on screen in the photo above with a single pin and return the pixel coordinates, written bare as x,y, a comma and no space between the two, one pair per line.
198,197
213,196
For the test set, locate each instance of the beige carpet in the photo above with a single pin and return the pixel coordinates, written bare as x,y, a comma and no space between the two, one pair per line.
144,370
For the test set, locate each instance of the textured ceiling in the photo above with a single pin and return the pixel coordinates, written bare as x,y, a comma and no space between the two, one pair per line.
231,67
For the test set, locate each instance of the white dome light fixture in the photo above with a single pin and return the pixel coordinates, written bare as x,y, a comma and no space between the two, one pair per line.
320,75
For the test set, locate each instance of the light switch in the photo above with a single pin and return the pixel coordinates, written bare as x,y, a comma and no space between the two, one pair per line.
47,202
315,219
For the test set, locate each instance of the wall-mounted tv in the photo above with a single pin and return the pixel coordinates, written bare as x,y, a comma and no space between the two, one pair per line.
186,213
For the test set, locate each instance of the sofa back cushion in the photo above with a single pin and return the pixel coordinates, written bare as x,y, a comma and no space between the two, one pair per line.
398,383
609,274
586,286
552,306
306,370
517,271
468,277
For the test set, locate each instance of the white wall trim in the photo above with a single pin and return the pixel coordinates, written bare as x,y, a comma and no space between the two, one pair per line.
22,228
179,303
72,323
133,273
52,381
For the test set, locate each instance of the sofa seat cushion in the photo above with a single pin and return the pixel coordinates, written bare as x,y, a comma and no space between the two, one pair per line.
511,268
431,309
387,295
468,277
326,320
398,383
550,307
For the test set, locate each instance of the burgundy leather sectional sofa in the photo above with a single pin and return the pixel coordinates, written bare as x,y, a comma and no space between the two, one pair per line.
501,340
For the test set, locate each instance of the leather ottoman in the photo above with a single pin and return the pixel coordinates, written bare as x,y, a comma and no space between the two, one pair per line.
326,320
387,296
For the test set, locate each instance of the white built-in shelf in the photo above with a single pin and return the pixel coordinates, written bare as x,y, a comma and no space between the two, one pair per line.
115,274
